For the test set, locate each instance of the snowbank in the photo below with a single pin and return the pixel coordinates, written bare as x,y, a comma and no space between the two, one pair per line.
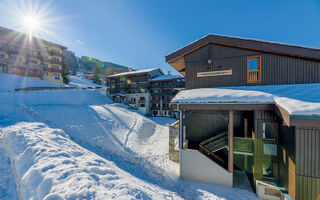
81,82
48,165
10,82
298,99
54,97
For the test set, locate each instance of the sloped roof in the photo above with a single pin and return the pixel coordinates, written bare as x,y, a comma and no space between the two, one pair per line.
144,71
253,44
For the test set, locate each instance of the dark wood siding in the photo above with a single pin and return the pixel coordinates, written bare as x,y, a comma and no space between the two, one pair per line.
275,69
308,152
201,125
307,162
286,157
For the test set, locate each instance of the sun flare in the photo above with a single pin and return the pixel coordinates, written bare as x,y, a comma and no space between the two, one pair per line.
31,23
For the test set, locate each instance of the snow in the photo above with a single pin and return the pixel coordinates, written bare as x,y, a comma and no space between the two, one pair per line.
296,99
10,82
81,82
47,97
74,144
165,77
49,165
135,72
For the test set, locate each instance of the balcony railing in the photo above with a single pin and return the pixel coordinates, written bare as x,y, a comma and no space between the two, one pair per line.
52,70
168,86
56,62
55,53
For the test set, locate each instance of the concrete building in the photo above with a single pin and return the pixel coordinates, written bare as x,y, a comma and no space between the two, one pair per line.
163,88
149,90
250,107
23,55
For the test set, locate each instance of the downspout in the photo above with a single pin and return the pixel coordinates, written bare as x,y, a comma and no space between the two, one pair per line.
180,126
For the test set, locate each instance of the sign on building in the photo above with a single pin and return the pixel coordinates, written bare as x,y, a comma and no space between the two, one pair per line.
215,73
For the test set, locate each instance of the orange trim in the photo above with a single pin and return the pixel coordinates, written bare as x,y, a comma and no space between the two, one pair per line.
258,80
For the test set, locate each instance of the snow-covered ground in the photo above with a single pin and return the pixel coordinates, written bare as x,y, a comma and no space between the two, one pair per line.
81,82
9,82
60,147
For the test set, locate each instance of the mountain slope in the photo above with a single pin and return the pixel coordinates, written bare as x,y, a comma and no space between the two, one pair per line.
107,68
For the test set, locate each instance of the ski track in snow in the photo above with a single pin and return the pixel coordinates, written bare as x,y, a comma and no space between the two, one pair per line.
138,148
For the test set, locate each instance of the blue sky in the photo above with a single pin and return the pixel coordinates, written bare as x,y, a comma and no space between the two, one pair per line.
139,33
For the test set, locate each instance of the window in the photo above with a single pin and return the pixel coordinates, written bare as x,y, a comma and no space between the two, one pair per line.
269,131
254,69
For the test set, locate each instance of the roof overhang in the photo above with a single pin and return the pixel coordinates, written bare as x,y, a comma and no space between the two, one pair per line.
289,119
177,58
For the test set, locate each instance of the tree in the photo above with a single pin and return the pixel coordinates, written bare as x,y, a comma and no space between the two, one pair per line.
95,75
65,73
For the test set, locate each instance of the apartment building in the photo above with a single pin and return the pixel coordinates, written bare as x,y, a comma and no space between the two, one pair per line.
23,55
163,88
149,90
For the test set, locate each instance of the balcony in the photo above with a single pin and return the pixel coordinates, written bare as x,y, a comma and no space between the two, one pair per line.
52,70
56,62
4,61
168,86
54,53
142,101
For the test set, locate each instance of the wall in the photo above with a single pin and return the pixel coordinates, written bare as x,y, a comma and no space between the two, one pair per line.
276,69
202,125
147,97
307,163
197,167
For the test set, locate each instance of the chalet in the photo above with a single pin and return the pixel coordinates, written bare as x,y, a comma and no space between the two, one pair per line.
250,107
149,90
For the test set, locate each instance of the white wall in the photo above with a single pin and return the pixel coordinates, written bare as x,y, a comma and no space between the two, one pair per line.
197,167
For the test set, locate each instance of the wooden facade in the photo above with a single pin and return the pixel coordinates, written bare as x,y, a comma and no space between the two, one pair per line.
275,69
291,158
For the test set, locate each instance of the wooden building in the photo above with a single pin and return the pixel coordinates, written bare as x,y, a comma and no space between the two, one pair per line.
250,106
149,90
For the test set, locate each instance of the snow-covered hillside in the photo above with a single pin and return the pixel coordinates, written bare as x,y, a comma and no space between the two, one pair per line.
81,82
9,82
74,144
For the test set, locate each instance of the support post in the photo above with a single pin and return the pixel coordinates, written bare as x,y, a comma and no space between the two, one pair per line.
230,139
181,129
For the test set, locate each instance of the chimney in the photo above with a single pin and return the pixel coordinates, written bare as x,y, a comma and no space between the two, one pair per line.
130,69
169,72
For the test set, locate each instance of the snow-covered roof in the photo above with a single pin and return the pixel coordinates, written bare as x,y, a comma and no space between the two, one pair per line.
297,99
165,77
135,72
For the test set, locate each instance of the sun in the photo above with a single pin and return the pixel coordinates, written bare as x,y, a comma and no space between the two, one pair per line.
31,23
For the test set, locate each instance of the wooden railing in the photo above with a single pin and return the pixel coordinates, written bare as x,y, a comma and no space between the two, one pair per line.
254,76
214,144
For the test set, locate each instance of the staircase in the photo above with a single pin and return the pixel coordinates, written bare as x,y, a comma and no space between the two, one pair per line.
216,148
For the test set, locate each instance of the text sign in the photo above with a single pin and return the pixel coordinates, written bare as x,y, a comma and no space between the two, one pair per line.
215,73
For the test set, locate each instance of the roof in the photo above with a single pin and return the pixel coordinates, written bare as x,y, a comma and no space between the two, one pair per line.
176,58
21,37
138,72
166,77
297,99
